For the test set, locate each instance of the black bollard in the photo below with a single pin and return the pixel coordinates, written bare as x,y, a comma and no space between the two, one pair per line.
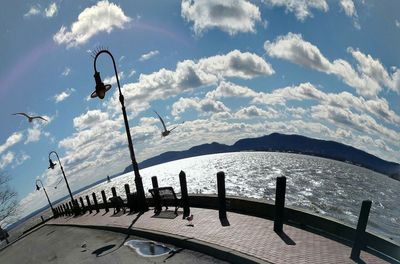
184,194
71,205
77,209
129,197
103,195
96,205
65,209
115,204
68,210
82,205
157,200
221,194
279,203
359,243
89,206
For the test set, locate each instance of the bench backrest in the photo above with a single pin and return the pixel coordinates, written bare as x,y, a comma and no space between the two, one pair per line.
165,193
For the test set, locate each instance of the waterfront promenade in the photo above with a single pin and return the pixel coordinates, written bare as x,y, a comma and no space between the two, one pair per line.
247,238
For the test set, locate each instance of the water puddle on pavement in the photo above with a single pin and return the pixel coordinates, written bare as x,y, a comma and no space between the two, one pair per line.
148,248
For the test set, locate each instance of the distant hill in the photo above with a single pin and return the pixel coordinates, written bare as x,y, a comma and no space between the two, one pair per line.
285,143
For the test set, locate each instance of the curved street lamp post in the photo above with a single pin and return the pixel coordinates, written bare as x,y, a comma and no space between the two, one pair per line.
100,92
51,166
44,189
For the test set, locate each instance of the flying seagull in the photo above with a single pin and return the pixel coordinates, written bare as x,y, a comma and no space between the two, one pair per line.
166,132
30,118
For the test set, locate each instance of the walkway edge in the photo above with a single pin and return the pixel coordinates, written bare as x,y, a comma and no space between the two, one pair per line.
213,250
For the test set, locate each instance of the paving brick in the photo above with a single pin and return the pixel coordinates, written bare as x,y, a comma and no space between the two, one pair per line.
246,234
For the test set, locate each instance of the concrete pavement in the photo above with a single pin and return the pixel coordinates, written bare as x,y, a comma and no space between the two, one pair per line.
65,245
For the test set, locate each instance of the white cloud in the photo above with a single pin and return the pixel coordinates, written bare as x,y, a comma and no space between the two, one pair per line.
103,16
232,16
33,11
33,134
228,89
206,105
51,10
6,159
368,79
359,122
301,8
378,107
397,23
350,10
11,141
20,159
131,73
63,95
189,75
48,12
89,119
66,71
113,80
253,111
149,55
348,7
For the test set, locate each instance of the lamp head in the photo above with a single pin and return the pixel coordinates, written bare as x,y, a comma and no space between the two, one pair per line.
37,187
101,88
51,164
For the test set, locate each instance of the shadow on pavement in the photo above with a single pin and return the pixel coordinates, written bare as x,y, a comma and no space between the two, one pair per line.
98,251
286,238
125,239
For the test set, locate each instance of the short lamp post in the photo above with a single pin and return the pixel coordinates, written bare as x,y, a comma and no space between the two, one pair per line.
52,166
44,189
100,92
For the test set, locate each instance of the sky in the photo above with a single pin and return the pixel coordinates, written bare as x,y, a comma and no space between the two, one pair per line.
227,69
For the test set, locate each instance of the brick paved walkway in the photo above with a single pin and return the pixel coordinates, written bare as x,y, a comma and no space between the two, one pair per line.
246,234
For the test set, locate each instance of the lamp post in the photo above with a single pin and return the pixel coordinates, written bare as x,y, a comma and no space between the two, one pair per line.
52,165
44,189
100,92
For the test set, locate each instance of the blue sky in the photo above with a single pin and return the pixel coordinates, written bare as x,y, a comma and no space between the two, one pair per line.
229,69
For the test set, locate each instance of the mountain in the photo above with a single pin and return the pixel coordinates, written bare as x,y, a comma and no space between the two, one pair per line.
285,143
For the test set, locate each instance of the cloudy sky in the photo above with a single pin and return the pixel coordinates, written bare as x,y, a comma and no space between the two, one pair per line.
229,69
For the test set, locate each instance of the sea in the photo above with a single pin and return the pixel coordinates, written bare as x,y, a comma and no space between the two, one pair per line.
321,186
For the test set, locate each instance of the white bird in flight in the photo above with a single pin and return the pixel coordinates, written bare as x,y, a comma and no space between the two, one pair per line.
166,132
30,118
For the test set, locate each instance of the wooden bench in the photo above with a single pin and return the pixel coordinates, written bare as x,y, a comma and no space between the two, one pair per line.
164,196
117,203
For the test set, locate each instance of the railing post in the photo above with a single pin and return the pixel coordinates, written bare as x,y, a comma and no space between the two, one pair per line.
184,194
77,209
82,204
114,193
65,209
96,205
103,195
68,210
221,194
279,203
89,206
359,243
157,200
71,205
129,200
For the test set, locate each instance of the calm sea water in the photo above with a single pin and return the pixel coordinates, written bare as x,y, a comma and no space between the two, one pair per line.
322,186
